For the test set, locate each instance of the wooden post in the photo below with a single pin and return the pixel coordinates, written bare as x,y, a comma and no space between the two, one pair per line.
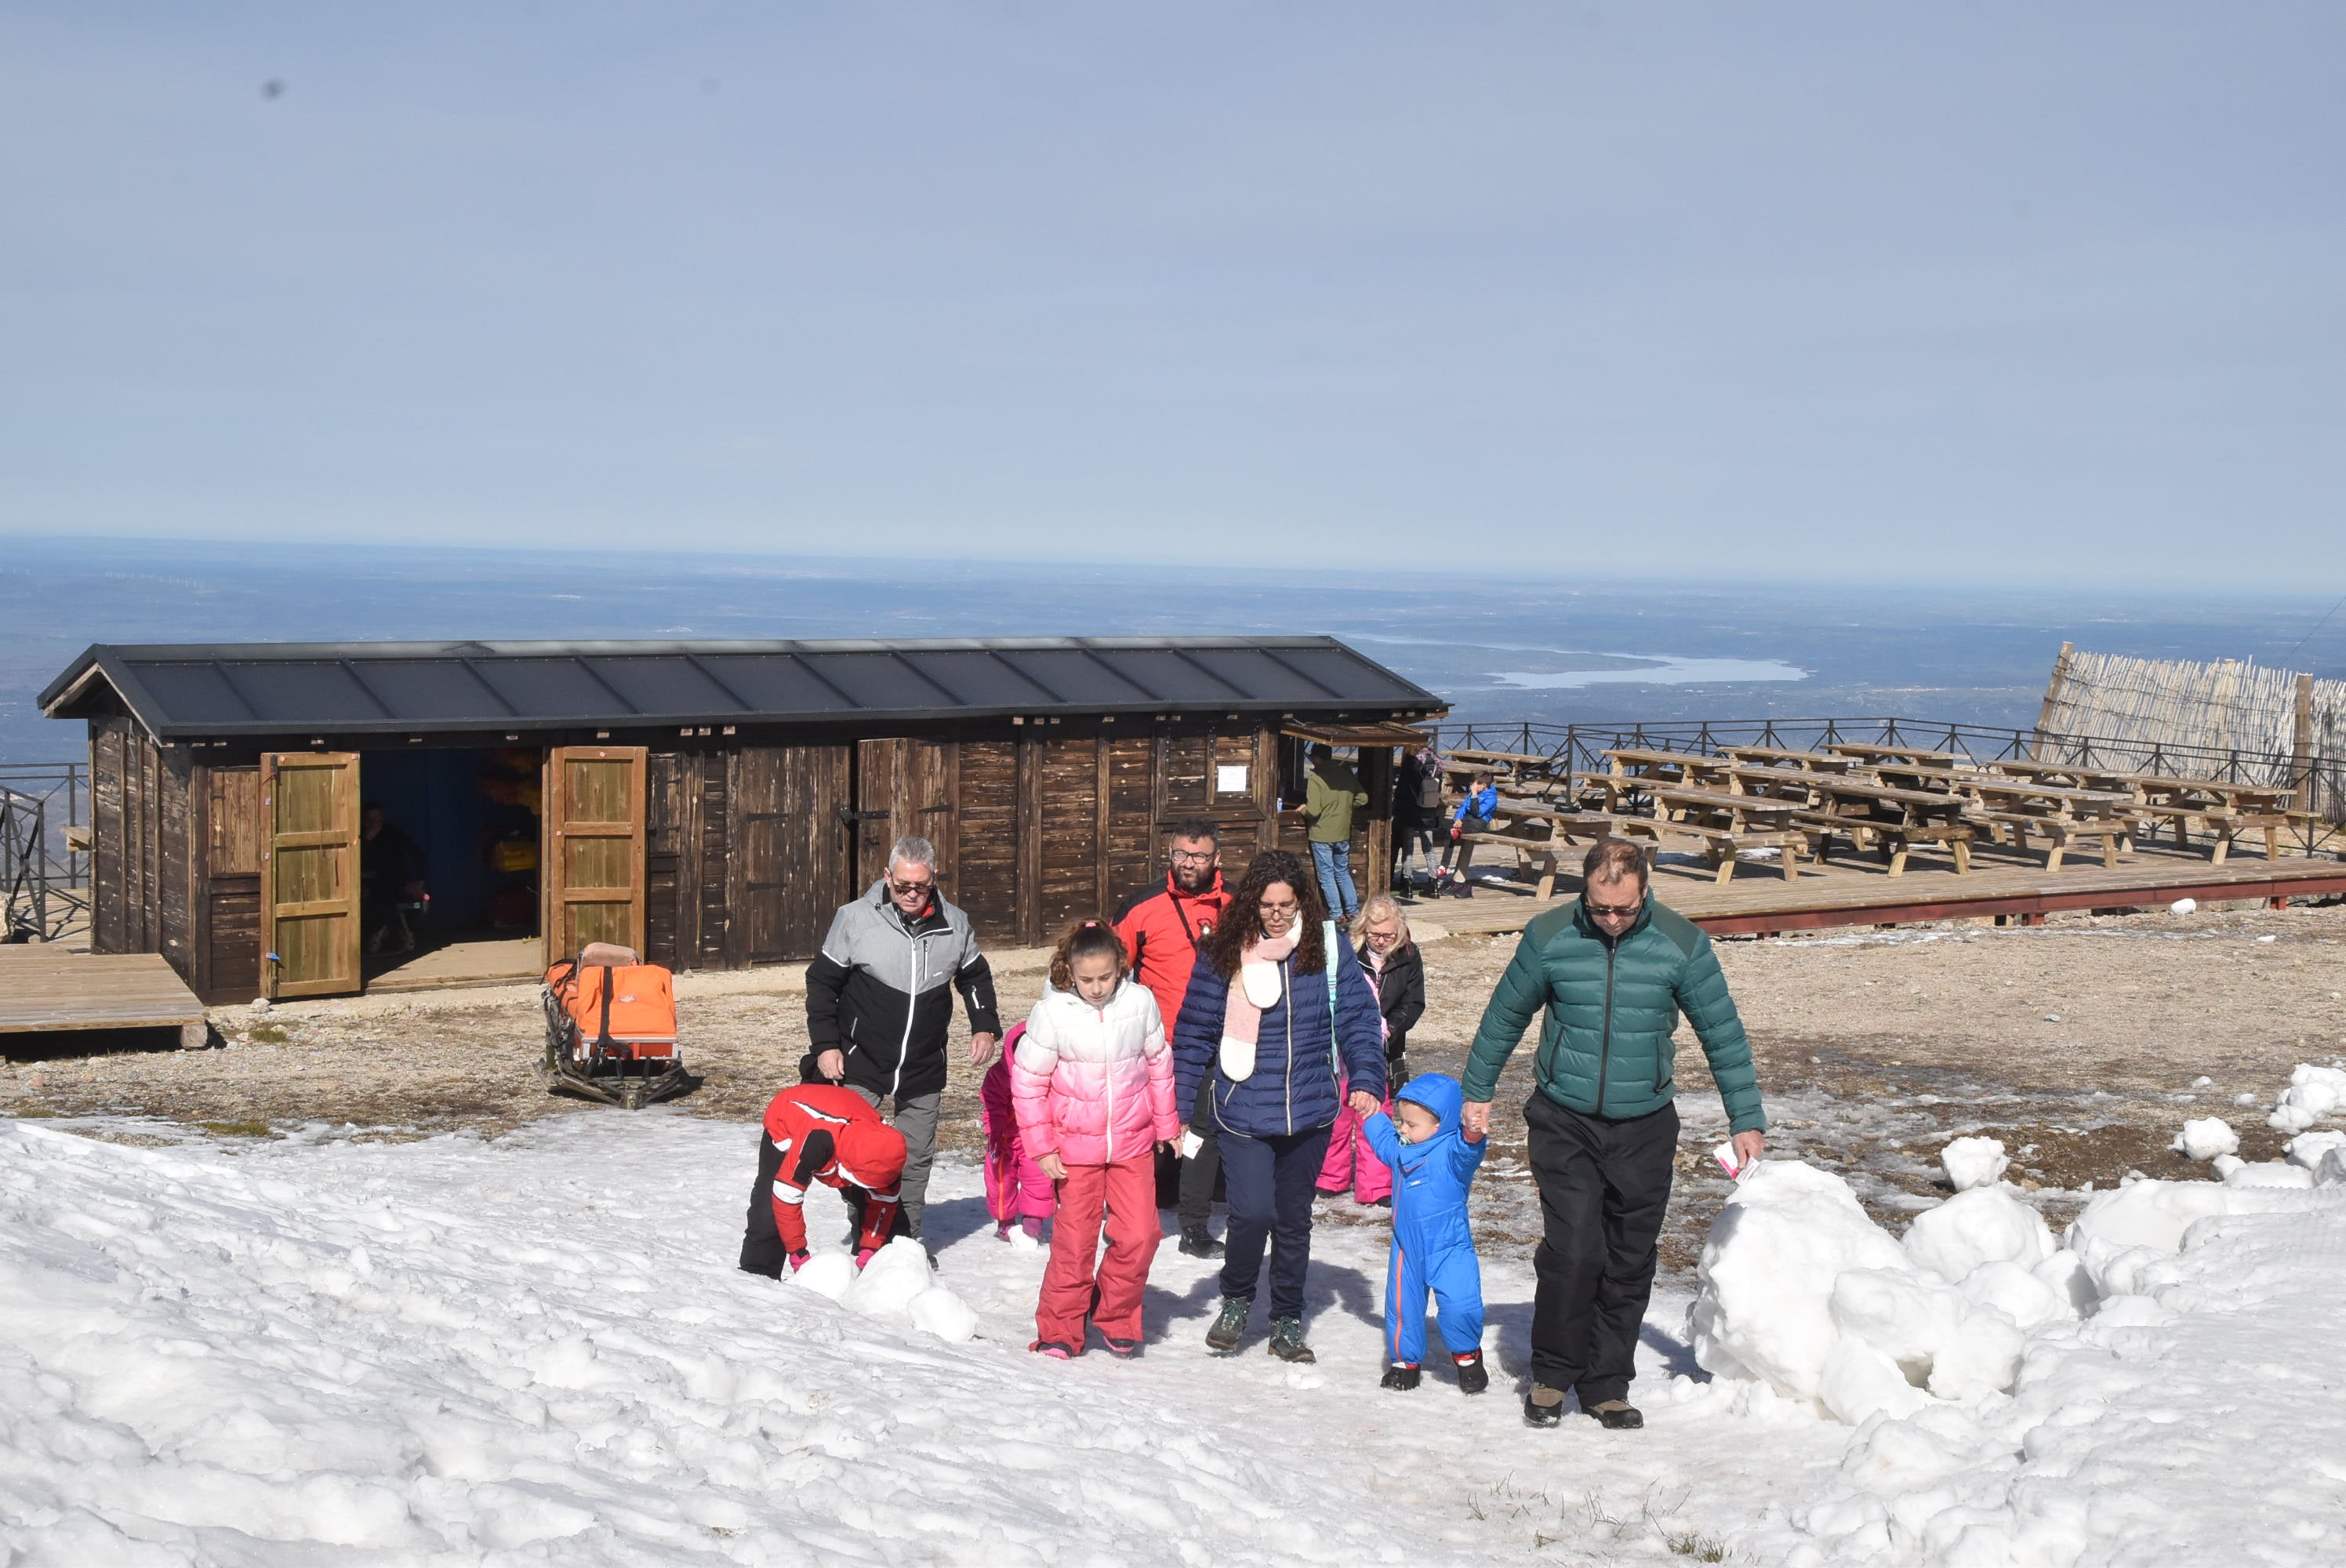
2301,757
1377,779
2052,697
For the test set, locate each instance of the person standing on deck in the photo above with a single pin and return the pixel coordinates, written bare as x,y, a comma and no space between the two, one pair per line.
1330,795
878,1006
1163,927
1613,970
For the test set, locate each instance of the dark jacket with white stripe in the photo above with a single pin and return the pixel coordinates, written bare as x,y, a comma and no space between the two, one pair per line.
879,991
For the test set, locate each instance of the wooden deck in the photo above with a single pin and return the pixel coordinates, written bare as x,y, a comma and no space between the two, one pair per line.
1849,891
45,988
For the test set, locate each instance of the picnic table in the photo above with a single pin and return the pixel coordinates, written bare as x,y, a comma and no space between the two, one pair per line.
2224,806
2074,775
1507,764
2021,807
1784,756
1877,752
1895,817
1639,771
1543,859
1729,822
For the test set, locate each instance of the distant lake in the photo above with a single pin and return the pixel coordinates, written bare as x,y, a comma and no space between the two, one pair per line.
1500,646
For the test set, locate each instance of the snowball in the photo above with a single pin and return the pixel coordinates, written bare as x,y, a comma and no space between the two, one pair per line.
897,1272
1904,1314
2275,1174
2306,1149
1859,1380
2332,1171
2206,1138
2122,1232
2224,1164
1973,1162
2184,906
2313,1094
939,1311
1983,1358
2017,1293
1766,1273
1974,1227
830,1273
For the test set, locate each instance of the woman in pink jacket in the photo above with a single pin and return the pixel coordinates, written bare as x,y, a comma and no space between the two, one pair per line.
1092,1079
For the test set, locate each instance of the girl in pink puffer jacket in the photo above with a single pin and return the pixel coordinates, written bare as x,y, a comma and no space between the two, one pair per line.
1092,1079
1017,1191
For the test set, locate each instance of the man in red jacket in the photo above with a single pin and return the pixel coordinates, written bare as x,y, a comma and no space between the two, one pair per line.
1162,927
820,1133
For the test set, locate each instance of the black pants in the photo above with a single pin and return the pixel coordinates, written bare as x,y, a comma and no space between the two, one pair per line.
1199,1171
1458,849
1270,1190
762,1251
1604,1186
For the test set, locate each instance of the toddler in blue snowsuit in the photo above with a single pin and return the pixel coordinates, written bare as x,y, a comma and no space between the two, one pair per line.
1432,1246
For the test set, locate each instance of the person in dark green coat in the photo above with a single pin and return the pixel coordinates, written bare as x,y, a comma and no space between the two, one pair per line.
1613,970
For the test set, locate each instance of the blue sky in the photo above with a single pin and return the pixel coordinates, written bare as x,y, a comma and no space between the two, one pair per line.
1785,291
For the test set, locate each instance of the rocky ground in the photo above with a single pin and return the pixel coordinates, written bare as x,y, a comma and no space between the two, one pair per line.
2082,1044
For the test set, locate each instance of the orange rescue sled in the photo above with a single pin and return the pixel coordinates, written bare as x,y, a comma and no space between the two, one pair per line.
610,1028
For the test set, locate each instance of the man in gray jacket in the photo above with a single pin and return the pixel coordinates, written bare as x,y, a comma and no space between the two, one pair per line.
878,1006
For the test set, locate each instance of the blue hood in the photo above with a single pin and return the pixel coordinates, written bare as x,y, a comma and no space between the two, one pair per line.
1438,1092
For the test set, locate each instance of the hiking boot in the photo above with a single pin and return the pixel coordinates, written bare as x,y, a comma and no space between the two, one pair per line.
1286,1340
1196,1243
1543,1406
1618,1416
1400,1375
1473,1376
1228,1324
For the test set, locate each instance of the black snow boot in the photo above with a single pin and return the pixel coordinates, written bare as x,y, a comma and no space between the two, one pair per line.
1618,1416
1401,1375
1228,1324
1286,1340
1473,1376
1196,1243
1544,1406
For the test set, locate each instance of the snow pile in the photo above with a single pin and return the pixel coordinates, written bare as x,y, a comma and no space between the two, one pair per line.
1973,1162
2019,1400
2307,1149
1799,1290
2313,1094
897,1284
2206,1138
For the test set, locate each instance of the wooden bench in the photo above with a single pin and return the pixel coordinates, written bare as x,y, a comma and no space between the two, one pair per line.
2115,836
1540,861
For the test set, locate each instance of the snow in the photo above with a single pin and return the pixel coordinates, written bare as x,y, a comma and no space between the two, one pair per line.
1973,1162
2307,1149
2184,906
536,1350
2206,1138
2313,1092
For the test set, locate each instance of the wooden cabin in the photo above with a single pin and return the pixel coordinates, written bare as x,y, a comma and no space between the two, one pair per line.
708,803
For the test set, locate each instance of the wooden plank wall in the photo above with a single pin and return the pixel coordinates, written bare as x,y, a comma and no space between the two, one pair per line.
227,884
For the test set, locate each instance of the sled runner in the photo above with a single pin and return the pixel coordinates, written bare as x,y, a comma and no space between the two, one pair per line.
610,1028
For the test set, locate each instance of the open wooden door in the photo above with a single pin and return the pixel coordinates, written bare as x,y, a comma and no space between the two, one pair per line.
310,920
594,860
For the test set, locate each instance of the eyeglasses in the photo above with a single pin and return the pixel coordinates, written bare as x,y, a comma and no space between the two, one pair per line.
1608,911
1194,856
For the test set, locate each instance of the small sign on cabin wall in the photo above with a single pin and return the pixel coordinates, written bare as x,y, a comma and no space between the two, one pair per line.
1230,778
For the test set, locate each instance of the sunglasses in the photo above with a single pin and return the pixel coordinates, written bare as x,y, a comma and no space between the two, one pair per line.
1608,911
906,889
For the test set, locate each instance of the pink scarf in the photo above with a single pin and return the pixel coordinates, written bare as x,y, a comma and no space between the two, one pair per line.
1242,1019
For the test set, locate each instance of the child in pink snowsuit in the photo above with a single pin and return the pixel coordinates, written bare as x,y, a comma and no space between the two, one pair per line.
1017,1191
1092,1079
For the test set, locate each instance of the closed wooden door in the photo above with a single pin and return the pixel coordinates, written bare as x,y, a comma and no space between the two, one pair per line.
593,848
905,788
311,925
791,848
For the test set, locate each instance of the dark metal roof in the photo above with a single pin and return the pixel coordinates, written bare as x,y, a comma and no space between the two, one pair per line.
182,691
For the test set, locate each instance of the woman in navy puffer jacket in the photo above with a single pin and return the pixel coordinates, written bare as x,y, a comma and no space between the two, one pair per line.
1263,1020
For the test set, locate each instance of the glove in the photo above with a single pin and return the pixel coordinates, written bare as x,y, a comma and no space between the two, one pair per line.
865,1256
798,1261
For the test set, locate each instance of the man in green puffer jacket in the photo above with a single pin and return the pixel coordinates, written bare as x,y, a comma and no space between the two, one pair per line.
1613,970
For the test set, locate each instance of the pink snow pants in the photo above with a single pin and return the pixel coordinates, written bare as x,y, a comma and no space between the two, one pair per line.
1349,1162
1127,1191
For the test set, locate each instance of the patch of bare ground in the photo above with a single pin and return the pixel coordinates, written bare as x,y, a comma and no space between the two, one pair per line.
2080,1044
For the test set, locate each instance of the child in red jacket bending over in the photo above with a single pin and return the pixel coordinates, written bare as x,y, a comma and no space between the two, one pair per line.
820,1133
1093,1082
